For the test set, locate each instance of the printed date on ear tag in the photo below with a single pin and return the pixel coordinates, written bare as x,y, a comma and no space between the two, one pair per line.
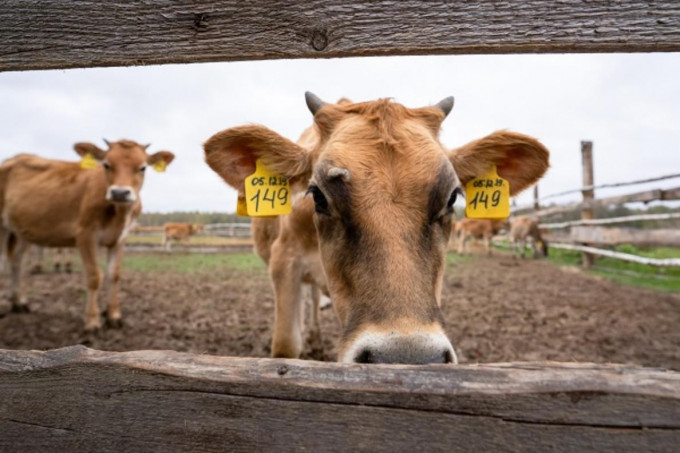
160,166
88,162
488,196
267,194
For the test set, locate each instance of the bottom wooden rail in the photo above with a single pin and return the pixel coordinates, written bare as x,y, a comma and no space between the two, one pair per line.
78,399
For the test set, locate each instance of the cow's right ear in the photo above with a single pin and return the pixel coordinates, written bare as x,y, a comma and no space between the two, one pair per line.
84,148
233,152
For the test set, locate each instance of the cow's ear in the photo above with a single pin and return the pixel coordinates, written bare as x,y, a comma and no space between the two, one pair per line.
84,148
520,159
233,152
165,156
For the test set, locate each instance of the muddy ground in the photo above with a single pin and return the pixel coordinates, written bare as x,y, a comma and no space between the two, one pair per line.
496,309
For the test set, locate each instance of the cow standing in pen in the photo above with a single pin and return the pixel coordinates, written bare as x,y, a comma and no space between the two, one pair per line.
525,229
54,203
179,232
484,229
374,191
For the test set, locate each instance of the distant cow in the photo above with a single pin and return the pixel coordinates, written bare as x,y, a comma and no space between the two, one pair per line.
179,232
484,229
61,260
375,223
57,204
525,229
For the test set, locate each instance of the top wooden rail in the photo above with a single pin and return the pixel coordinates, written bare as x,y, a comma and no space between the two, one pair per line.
81,399
50,34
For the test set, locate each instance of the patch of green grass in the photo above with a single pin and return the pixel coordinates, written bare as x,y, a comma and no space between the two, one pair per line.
453,258
192,262
665,279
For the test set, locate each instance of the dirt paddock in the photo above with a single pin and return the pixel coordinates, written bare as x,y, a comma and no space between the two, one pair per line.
495,308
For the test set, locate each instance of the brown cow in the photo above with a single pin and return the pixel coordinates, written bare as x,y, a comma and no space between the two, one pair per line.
484,229
57,204
377,220
180,232
525,229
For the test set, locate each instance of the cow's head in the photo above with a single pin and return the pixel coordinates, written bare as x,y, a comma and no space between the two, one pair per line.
383,188
124,165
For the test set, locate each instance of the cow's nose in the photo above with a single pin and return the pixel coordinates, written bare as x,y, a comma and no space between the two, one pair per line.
120,194
416,349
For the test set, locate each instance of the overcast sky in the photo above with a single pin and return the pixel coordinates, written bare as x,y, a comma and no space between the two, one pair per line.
629,105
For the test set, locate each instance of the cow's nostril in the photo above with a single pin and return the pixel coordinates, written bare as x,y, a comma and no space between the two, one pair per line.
364,356
448,357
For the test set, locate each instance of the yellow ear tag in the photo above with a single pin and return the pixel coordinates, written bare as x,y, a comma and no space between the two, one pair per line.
267,194
488,197
160,165
241,207
88,162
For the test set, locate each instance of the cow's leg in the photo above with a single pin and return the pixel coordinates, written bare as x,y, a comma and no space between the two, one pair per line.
4,240
461,243
58,258
534,247
88,252
113,261
286,276
18,301
487,245
38,257
523,247
315,332
67,257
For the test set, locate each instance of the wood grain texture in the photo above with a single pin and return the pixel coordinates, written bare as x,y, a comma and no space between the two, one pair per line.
617,236
80,399
638,197
66,34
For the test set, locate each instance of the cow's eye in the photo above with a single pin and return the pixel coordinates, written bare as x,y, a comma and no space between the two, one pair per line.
106,166
452,199
320,202
142,169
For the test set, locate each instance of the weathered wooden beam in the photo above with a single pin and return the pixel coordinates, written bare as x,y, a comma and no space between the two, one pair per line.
612,220
85,400
67,34
638,197
659,262
616,236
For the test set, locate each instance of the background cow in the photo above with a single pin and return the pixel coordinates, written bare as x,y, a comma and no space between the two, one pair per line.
525,229
484,229
58,204
376,222
179,232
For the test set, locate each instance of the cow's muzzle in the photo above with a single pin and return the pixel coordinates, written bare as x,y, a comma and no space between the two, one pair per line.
416,348
121,194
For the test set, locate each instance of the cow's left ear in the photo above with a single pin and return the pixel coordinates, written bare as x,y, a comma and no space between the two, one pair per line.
166,156
520,159
84,148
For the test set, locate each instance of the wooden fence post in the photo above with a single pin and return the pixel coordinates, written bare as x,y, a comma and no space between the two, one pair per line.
589,194
537,205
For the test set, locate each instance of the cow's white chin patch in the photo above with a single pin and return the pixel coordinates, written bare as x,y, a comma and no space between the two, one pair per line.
416,348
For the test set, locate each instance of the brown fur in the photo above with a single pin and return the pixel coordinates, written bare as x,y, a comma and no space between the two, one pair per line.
523,229
380,249
57,204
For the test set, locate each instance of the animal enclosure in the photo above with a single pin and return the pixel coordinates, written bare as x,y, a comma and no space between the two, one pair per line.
81,399
587,234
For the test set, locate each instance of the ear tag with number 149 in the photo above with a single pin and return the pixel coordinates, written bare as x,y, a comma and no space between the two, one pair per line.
488,197
267,194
